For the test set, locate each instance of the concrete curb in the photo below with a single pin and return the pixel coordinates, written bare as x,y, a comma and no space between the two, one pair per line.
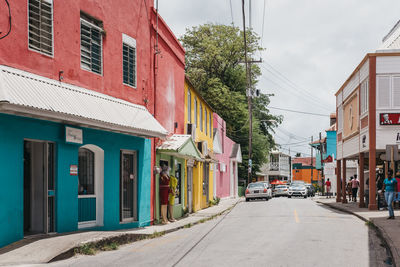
130,238
387,242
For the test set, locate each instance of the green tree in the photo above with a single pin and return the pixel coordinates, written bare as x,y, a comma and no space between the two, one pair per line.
214,64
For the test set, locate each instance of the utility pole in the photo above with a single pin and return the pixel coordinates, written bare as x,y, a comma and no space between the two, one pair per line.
322,169
312,160
249,93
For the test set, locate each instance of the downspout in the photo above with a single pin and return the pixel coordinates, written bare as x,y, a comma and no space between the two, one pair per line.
155,70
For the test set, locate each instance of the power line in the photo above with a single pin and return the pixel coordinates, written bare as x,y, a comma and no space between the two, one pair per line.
262,29
302,112
293,84
297,91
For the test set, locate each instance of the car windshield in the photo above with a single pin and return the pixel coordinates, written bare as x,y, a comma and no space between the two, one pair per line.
256,185
281,186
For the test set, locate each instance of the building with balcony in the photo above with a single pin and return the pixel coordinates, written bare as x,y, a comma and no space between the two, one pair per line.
278,168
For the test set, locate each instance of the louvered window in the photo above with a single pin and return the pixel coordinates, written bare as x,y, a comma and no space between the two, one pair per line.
40,16
383,91
364,97
189,106
91,47
396,92
201,117
129,60
205,119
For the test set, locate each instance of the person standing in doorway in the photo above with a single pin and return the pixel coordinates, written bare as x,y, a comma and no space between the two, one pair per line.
173,182
390,185
328,188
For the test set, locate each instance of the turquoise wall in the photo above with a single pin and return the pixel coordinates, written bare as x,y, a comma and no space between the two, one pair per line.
331,143
13,131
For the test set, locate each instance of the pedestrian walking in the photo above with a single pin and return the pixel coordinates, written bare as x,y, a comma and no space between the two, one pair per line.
390,185
355,184
164,192
348,188
328,188
397,195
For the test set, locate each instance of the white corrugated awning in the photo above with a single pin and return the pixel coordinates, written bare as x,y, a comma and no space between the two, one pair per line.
181,146
27,94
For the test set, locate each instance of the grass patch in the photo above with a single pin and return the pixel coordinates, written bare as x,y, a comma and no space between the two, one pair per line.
86,249
187,225
155,235
369,224
110,246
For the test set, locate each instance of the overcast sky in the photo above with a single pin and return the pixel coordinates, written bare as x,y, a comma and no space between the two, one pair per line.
312,46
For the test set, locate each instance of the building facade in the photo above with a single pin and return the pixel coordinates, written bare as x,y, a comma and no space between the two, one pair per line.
278,168
368,113
229,155
76,112
199,124
304,169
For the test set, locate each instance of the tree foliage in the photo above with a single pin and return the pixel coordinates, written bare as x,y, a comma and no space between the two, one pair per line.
214,64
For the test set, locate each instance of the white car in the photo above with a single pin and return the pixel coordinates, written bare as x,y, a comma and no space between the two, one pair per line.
299,190
280,190
258,190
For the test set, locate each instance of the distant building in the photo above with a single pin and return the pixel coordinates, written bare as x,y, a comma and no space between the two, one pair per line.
278,168
303,169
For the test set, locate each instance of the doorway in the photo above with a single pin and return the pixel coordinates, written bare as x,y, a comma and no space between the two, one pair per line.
128,190
190,186
39,187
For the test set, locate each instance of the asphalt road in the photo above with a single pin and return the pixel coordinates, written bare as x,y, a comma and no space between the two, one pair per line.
279,232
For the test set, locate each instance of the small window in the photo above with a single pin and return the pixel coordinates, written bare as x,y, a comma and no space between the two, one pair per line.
189,106
201,117
195,111
211,132
129,60
205,119
91,44
40,21
86,172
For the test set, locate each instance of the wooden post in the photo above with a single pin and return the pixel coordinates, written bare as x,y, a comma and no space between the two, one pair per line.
338,180
361,171
344,199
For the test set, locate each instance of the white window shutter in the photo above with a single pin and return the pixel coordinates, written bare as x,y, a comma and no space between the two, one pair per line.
396,92
383,91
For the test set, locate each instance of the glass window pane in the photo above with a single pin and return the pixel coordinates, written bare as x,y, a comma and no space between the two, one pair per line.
86,172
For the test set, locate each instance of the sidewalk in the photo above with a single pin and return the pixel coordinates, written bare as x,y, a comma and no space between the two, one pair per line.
52,247
388,228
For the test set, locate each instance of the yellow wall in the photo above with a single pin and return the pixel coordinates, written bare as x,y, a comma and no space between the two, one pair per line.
199,200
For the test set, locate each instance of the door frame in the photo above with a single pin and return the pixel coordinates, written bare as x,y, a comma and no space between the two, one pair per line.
98,187
135,203
47,194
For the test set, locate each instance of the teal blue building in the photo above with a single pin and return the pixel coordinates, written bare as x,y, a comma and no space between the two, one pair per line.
71,159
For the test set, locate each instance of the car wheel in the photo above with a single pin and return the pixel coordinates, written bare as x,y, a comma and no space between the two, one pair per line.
305,196
266,199
247,200
289,196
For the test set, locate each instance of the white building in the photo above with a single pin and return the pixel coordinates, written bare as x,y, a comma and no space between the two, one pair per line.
278,168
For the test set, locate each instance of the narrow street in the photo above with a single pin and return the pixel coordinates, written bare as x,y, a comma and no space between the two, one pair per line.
280,232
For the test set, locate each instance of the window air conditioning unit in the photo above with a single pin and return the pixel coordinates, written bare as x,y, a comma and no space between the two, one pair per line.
222,167
205,148
191,130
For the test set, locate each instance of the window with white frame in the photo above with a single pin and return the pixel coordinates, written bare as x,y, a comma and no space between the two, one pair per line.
201,117
383,91
364,97
91,44
129,60
195,111
211,132
205,119
40,26
340,118
189,106
396,92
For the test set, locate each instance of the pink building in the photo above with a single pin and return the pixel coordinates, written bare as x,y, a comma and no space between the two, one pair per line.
229,155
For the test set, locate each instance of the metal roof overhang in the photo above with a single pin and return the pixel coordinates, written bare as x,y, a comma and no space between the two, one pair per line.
181,146
30,95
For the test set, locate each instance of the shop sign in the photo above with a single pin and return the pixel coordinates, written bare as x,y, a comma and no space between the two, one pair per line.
73,170
389,118
73,135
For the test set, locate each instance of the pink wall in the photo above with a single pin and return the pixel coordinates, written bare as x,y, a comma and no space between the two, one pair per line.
223,178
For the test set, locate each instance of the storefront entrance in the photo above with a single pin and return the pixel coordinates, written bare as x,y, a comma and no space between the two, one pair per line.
190,187
128,181
39,191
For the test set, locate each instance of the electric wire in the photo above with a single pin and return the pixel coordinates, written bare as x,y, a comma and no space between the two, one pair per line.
9,20
263,22
302,112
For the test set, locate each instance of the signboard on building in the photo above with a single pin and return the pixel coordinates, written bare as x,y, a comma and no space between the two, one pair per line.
389,118
73,135
73,170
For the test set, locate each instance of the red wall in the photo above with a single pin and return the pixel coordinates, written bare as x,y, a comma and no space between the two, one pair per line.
118,16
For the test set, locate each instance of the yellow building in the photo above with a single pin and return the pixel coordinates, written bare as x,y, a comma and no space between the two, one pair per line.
199,174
